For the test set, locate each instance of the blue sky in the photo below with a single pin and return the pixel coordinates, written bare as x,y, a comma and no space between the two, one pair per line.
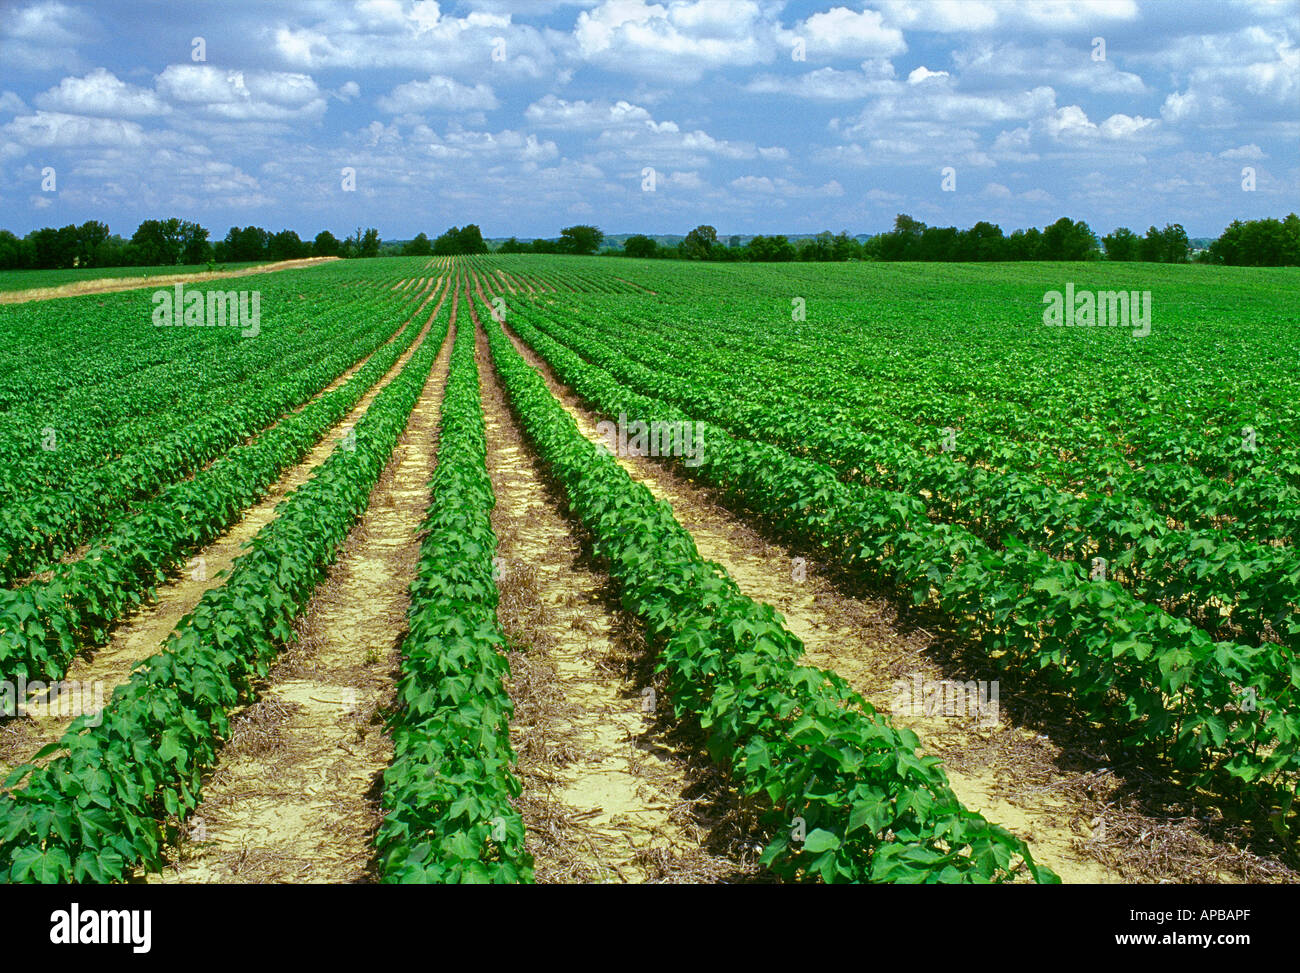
754,116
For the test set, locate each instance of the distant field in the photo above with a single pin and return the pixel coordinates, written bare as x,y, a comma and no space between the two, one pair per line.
22,280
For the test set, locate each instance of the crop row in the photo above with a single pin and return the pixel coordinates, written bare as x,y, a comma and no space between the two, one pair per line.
94,812
448,816
1158,681
1214,579
44,623
36,528
177,375
1260,501
797,736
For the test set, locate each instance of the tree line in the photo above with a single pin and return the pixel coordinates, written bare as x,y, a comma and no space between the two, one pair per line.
469,240
581,240
456,241
168,243
1265,242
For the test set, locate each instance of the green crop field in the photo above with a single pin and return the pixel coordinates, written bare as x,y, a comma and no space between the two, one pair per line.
892,572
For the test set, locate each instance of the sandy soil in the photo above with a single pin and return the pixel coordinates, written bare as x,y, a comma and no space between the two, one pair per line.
107,285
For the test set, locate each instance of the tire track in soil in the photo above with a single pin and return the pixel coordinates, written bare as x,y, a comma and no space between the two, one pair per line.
1007,772
142,634
605,799
295,795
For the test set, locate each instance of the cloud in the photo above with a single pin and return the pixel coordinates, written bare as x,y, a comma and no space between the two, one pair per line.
1014,146
437,93
937,103
591,92
507,144
756,184
553,112
1054,62
1038,196
1250,73
101,93
911,143
630,132
685,180
46,129
664,144
973,16
415,35
11,104
45,35
840,32
241,95
923,74
1071,123
681,41
769,186
1243,153
1120,126
828,84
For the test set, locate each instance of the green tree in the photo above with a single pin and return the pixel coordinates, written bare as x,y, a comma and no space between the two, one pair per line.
1121,244
11,251
325,245
699,243
1175,244
243,245
983,241
1167,246
771,248
846,248
581,239
419,247
470,240
904,242
195,248
1067,240
90,238
285,245
640,245
460,241
159,242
